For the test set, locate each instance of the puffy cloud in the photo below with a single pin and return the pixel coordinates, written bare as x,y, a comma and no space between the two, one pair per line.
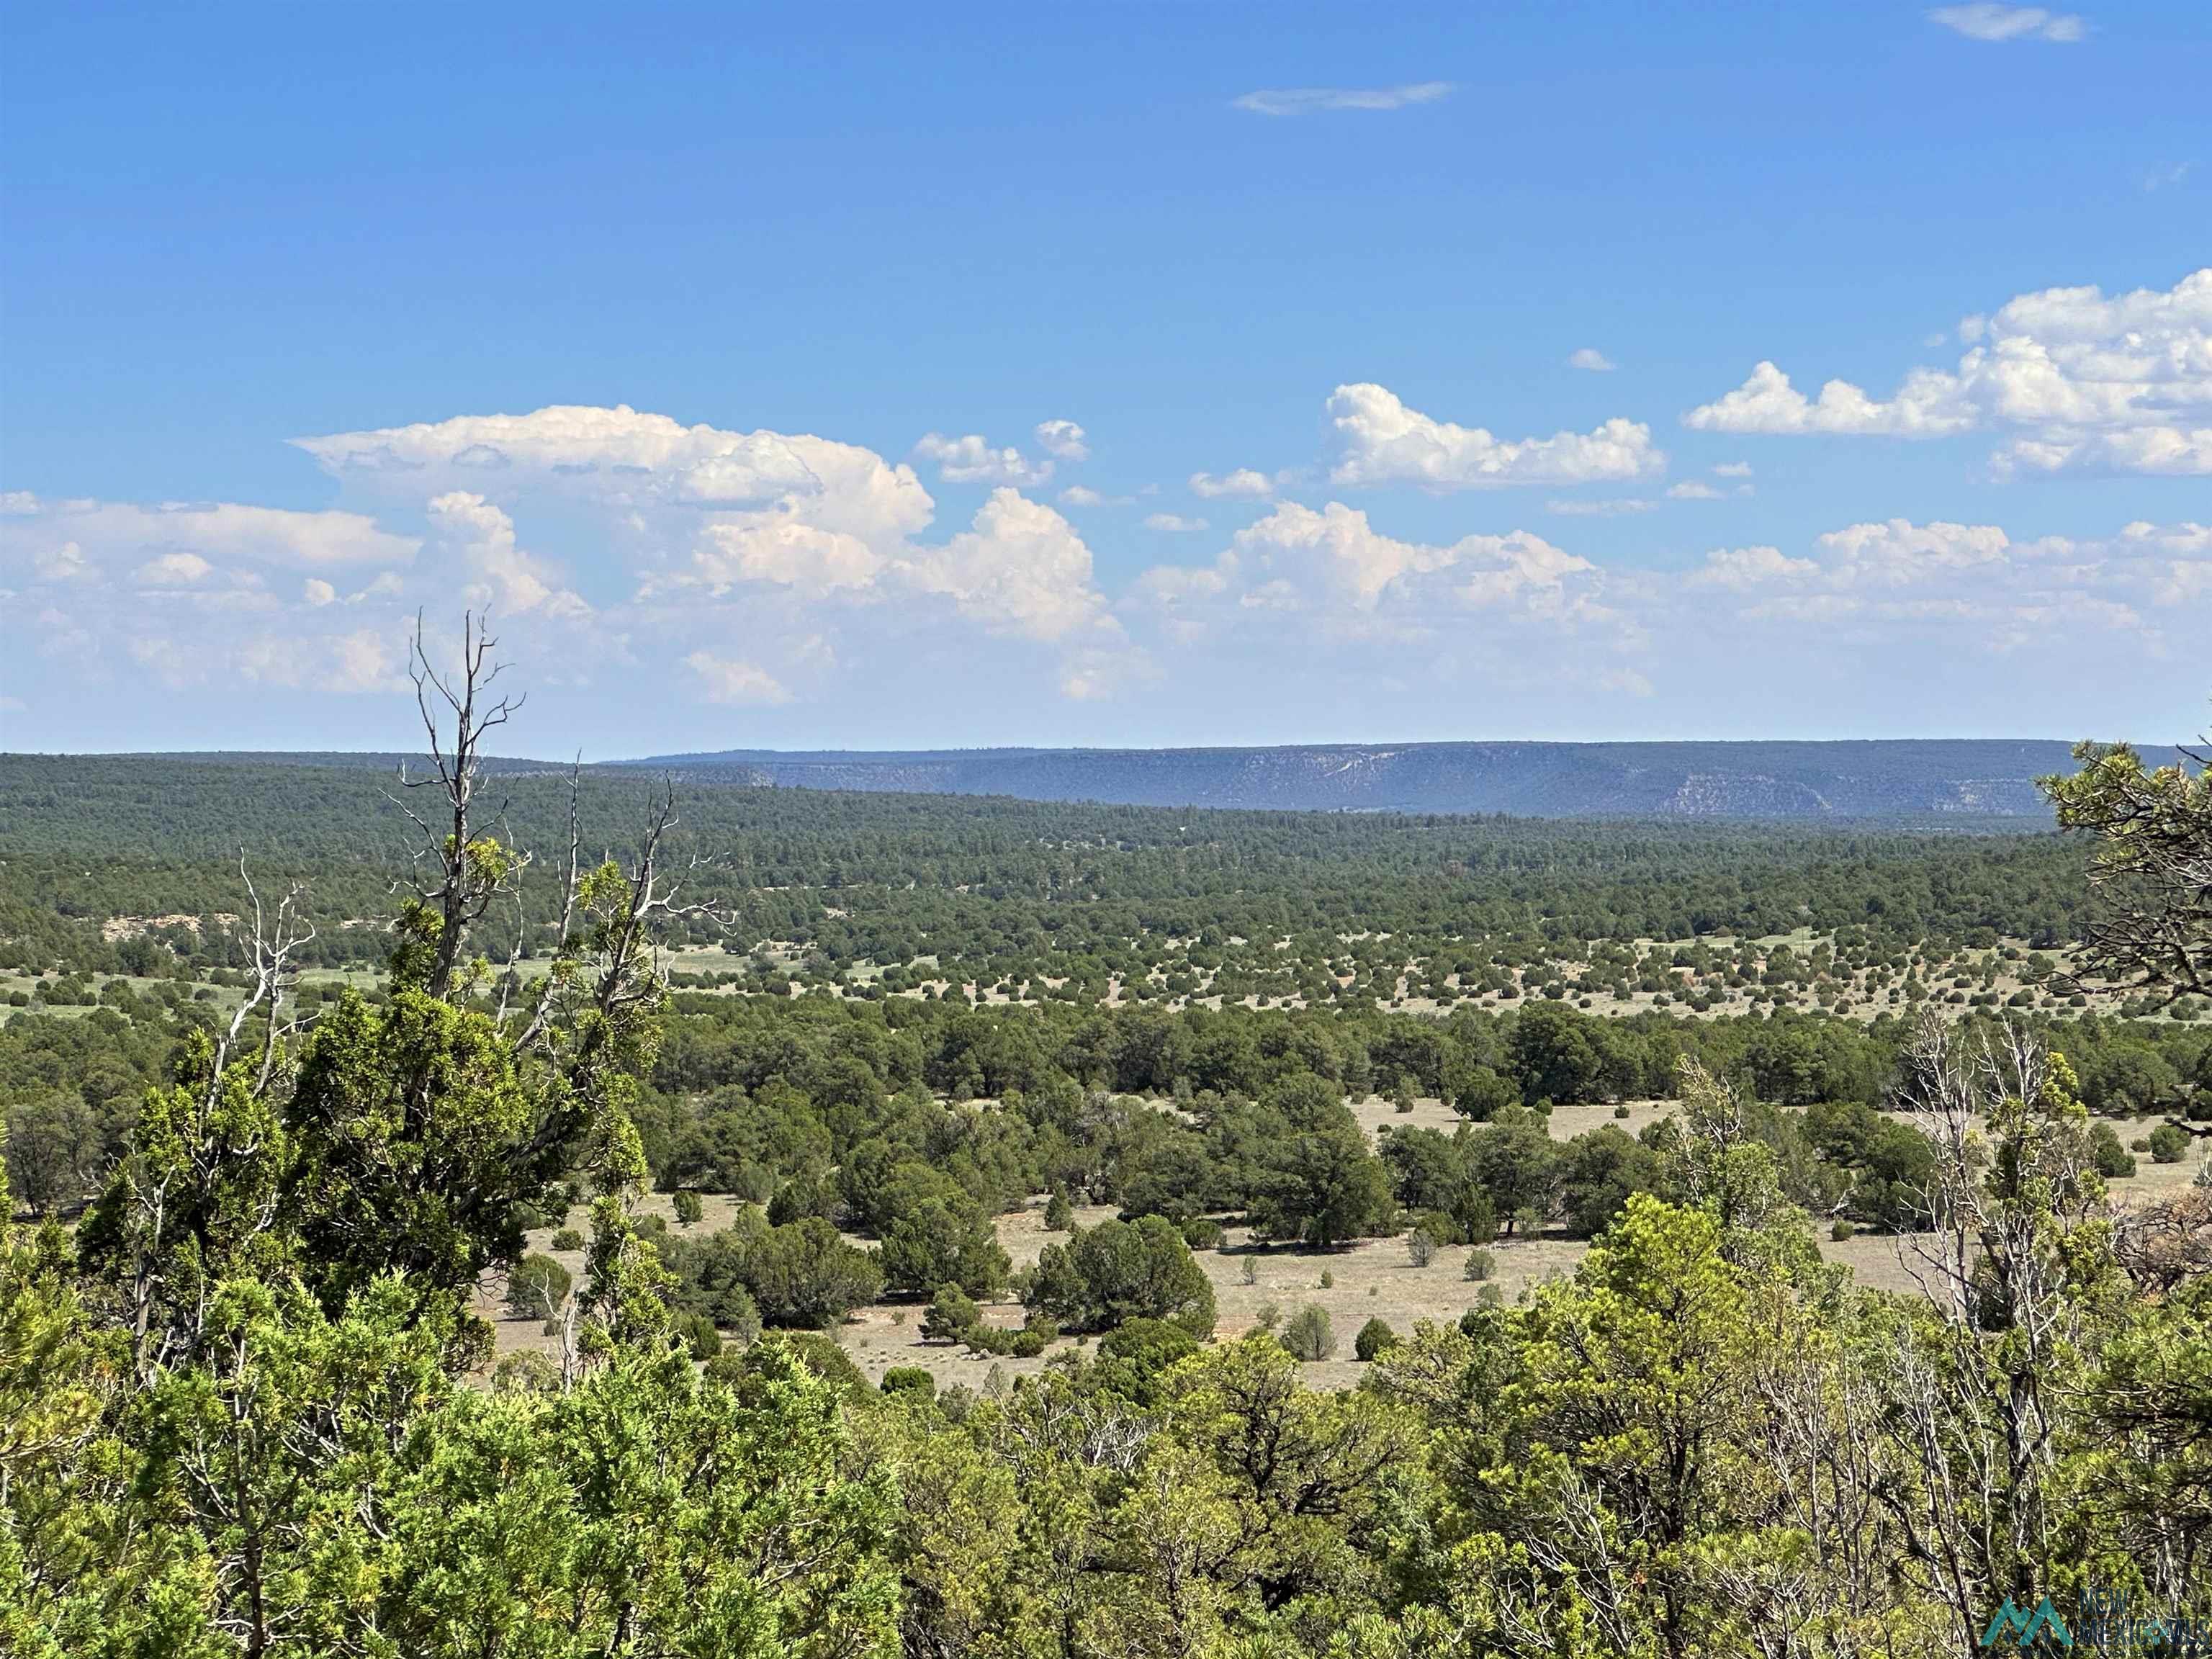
1334,556
2002,593
482,535
1382,442
725,679
797,537
1928,405
1692,489
971,459
1021,569
1064,439
318,593
1897,552
1173,524
652,477
1732,470
1309,100
2120,384
786,551
1988,20
1591,359
1081,496
1746,568
1243,483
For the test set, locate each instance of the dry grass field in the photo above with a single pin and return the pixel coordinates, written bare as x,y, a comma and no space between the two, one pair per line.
1373,1278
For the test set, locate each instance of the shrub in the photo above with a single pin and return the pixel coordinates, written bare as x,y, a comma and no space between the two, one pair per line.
1121,1270
700,1335
1622,1110
1842,1232
538,1287
1269,1317
2111,1157
818,1353
1059,1215
1328,1280
938,1233
1481,1266
1374,1340
1202,1233
801,1197
2168,1143
909,1382
1148,1345
951,1316
689,1208
1420,1248
1307,1336
1249,1269
800,1275
567,1239
1440,1227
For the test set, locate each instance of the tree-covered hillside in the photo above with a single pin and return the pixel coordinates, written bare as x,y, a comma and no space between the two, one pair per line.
336,1317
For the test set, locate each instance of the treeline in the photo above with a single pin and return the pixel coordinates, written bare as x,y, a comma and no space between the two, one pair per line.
753,1096
985,889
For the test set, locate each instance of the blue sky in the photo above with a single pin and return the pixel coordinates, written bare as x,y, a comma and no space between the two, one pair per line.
790,310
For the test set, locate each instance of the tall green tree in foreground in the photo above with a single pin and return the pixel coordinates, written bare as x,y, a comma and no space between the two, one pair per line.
2150,867
238,1422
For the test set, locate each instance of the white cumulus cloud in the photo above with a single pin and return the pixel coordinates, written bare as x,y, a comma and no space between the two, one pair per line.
2080,381
1382,442
1064,439
1593,360
1021,569
971,459
481,536
1746,568
1244,482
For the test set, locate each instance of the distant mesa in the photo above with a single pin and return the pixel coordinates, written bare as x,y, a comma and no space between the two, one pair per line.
1910,779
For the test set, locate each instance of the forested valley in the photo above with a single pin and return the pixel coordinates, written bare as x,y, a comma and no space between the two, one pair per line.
502,1211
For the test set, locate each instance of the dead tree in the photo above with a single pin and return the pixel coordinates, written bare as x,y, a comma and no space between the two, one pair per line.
470,870
1980,1393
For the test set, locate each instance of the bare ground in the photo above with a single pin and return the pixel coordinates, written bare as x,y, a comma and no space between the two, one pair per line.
1373,1278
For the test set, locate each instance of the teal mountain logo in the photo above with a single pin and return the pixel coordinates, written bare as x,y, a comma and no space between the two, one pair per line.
2011,1626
